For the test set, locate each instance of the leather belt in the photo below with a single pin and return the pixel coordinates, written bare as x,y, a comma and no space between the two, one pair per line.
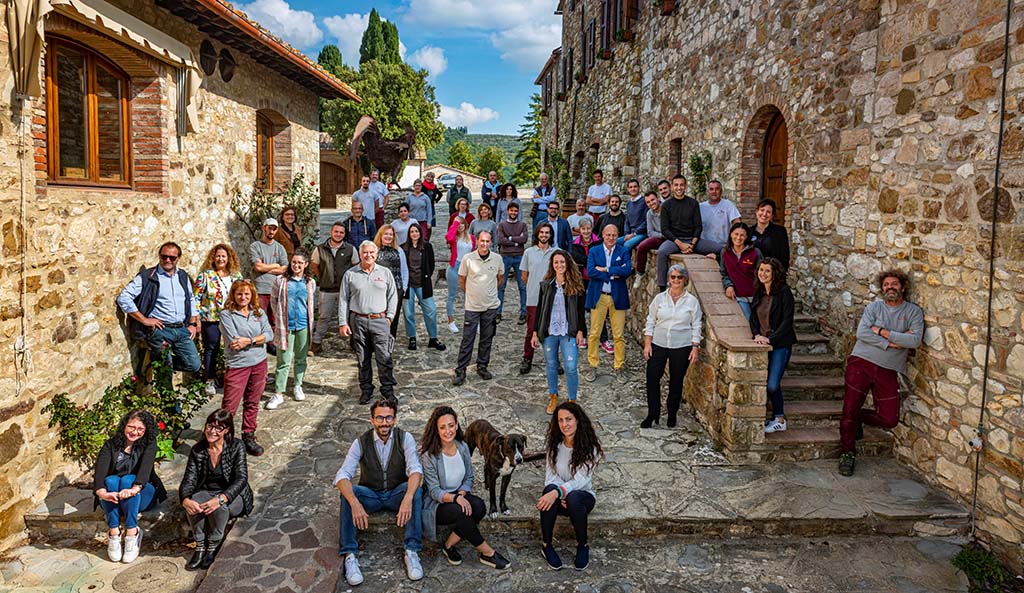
175,325
370,315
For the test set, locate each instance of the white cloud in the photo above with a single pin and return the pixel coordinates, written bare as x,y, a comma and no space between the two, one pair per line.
297,27
348,31
475,14
528,46
466,114
431,59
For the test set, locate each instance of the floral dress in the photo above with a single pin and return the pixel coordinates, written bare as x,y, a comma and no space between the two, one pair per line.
211,290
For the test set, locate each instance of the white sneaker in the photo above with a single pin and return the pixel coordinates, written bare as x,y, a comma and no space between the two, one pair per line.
298,393
452,327
275,401
211,387
353,575
636,281
131,547
114,548
776,425
413,568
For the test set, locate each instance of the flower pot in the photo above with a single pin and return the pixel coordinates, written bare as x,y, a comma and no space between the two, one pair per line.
604,54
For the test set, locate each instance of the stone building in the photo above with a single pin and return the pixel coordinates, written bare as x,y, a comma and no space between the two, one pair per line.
126,123
473,182
875,125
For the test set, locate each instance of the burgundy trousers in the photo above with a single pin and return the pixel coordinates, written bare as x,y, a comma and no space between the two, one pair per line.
531,318
245,385
646,246
861,377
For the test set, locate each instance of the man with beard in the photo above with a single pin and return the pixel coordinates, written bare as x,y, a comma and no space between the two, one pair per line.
479,275
888,330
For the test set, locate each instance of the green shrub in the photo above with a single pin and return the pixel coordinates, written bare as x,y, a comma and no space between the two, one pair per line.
256,206
984,572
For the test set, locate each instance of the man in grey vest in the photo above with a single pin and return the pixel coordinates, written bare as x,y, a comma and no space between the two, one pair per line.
330,262
389,479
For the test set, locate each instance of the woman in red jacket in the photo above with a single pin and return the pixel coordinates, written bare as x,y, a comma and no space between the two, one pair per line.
738,265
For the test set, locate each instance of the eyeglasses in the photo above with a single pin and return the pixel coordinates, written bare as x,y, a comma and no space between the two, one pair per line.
168,257
382,419
216,428
135,429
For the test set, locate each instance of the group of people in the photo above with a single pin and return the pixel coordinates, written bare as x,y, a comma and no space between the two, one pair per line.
359,277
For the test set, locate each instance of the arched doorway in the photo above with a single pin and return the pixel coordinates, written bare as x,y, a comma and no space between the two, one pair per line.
333,181
773,166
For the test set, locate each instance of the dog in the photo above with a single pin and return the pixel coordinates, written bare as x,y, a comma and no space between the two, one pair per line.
501,453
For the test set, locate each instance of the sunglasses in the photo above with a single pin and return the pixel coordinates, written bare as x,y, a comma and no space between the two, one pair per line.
676,277
168,257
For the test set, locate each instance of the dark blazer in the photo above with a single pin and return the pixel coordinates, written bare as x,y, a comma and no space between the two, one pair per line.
620,268
563,230
774,242
235,467
426,280
143,470
780,315
575,312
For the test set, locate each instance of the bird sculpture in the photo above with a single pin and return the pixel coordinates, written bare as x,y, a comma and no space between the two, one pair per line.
385,155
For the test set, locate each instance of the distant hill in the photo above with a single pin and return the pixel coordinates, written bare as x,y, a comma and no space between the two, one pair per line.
508,144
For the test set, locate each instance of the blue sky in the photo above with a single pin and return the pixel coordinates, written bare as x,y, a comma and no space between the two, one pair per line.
483,55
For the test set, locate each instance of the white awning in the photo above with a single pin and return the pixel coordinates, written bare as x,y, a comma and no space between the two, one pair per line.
25,40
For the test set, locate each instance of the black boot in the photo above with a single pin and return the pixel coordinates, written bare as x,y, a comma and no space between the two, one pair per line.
251,446
197,557
436,345
460,377
649,421
412,343
486,375
210,555
671,421
525,366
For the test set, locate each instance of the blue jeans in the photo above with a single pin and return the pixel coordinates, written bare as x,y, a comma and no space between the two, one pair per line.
129,507
632,243
451,276
380,500
427,308
570,353
512,262
542,214
778,360
745,307
179,349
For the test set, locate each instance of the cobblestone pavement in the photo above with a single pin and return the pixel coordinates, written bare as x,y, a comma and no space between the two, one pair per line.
654,485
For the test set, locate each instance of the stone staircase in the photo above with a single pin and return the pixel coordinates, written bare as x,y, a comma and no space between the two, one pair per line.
813,388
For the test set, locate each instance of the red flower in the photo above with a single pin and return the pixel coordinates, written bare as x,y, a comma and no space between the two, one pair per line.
134,378
312,183
161,425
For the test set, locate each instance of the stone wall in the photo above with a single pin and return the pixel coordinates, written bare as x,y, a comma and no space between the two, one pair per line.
892,113
83,245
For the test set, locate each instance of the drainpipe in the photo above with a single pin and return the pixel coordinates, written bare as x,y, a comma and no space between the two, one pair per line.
978,442
22,354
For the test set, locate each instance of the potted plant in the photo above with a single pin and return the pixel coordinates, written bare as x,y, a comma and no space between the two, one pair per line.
604,54
581,76
623,35
560,96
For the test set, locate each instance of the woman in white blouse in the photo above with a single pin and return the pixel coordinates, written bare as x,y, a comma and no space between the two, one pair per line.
573,452
672,337
448,484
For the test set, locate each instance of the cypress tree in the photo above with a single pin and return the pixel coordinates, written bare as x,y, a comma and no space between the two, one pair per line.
372,46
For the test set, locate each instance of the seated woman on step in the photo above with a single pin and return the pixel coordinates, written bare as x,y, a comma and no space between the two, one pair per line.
125,483
771,323
573,452
448,497
215,486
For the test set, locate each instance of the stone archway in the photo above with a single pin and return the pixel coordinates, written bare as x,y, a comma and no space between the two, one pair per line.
766,168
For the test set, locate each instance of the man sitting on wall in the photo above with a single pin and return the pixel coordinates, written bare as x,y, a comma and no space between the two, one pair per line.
163,311
717,215
682,227
888,330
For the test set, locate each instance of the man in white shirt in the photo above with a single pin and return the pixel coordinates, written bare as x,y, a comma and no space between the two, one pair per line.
381,191
480,273
597,194
581,212
365,196
534,267
717,214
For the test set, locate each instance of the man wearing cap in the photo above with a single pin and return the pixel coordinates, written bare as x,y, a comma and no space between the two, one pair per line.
366,308
269,260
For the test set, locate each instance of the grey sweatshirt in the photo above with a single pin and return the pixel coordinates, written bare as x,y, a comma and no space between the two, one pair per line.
234,325
905,321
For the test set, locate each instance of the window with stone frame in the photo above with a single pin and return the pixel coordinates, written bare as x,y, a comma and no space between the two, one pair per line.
87,117
626,14
607,26
569,64
591,37
547,83
676,156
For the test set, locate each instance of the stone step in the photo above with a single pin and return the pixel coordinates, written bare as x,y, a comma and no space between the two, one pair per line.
815,364
814,413
806,443
813,387
811,343
805,323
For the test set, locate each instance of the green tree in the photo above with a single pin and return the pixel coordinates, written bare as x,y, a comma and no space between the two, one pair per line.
492,159
391,54
330,59
372,46
528,158
393,95
460,156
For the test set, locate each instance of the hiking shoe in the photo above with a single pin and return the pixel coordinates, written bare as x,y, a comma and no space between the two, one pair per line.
608,346
451,555
485,374
551,557
522,319
365,398
316,348
298,393
525,366
590,374
776,425
131,547
460,377
847,461
620,375
211,387
552,403
114,551
412,343
582,557
251,446
413,568
433,343
495,560
353,575
452,327
275,401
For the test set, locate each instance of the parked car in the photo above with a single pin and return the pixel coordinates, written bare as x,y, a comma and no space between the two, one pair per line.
446,181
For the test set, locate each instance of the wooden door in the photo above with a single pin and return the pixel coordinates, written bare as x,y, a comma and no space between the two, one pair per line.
332,183
776,155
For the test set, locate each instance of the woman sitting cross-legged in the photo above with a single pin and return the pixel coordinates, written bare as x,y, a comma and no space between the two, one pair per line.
215,486
573,452
448,485
125,482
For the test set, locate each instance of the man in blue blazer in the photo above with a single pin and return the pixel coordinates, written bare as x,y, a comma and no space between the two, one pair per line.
608,267
563,234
